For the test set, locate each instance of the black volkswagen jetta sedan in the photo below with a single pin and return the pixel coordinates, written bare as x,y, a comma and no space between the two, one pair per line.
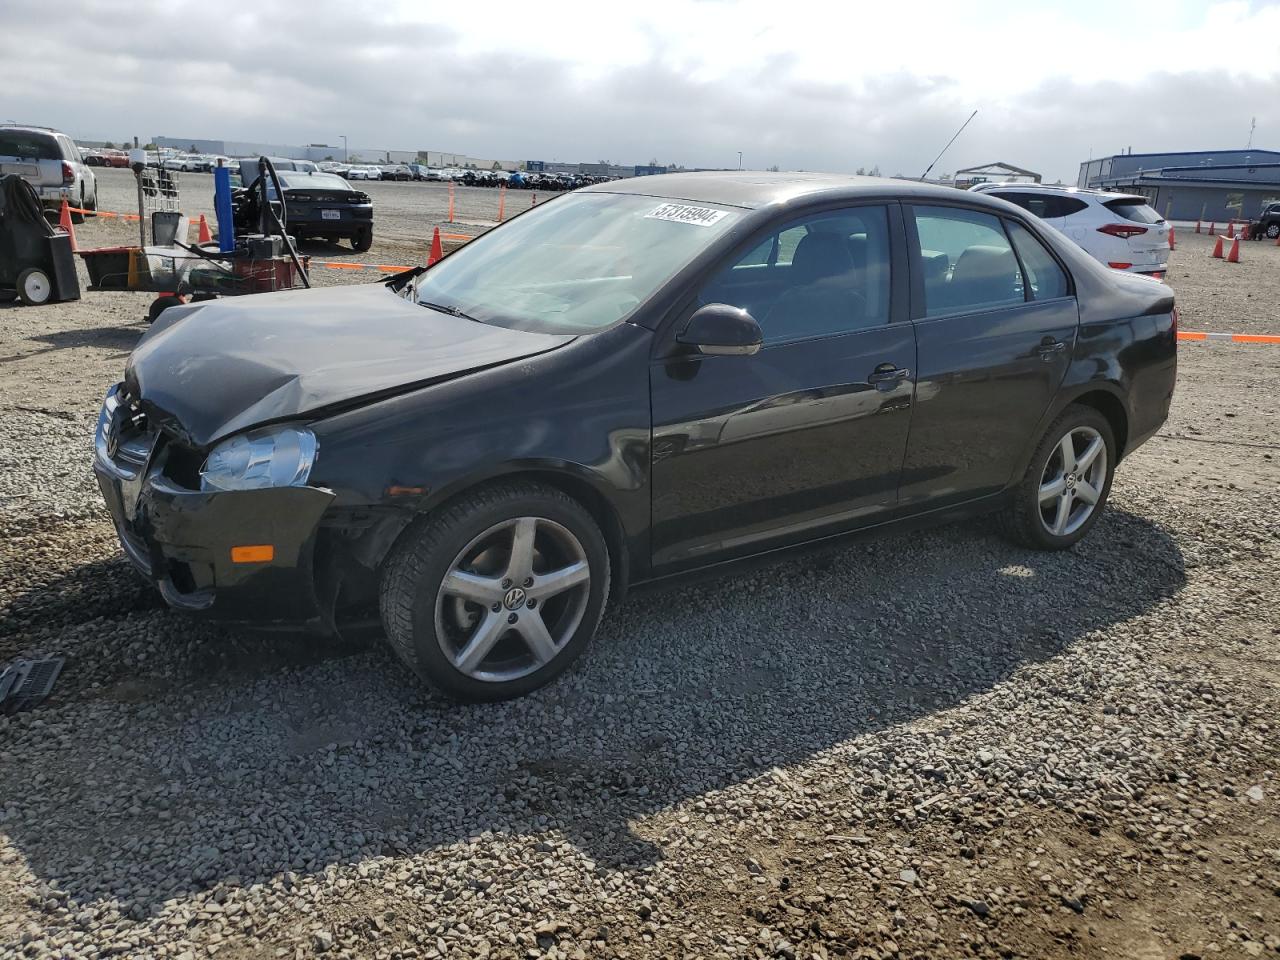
623,384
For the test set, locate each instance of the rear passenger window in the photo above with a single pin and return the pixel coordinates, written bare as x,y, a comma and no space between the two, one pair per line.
1041,206
1066,206
1046,278
967,259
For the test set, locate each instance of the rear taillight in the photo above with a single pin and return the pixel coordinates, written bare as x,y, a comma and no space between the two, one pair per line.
1122,230
68,174
1119,265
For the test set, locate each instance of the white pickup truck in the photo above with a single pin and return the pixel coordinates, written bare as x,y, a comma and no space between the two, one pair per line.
51,162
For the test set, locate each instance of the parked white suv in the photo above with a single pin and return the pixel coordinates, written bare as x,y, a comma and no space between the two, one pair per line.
51,162
1119,229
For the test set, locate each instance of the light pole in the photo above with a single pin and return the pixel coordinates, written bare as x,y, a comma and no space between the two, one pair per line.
739,159
344,148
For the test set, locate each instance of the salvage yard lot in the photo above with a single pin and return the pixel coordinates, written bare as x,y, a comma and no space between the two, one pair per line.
937,746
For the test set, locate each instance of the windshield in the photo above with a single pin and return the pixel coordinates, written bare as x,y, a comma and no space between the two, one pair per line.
316,181
579,263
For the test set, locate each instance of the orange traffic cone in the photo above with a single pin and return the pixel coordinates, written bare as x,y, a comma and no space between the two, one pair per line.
1278,241
1231,230
1217,250
64,221
451,201
1211,228
205,236
1197,226
1173,240
502,201
437,251
1234,255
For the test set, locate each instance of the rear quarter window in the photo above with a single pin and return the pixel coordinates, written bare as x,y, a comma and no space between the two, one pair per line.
1046,279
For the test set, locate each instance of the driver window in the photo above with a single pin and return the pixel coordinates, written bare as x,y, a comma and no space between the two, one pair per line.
819,276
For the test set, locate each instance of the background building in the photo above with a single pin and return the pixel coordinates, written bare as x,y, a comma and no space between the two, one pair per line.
1191,185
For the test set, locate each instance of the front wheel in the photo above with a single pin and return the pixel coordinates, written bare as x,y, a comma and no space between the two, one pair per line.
1067,483
1273,231
495,594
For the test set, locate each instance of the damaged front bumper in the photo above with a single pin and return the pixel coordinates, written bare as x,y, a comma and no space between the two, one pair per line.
182,539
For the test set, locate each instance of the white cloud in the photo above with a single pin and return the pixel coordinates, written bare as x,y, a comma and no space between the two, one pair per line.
801,83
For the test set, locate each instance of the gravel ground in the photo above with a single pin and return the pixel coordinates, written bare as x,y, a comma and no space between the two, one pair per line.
933,746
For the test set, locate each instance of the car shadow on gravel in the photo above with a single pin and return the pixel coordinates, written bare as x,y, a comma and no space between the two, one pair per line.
686,690
117,338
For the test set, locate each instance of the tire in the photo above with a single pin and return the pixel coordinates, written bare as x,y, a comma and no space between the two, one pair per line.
78,218
1035,517
362,241
431,627
34,287
160,304
1273,231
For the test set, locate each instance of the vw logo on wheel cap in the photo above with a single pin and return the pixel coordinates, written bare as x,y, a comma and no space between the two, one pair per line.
514,598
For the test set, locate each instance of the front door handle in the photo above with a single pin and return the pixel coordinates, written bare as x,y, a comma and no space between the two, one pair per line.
886,376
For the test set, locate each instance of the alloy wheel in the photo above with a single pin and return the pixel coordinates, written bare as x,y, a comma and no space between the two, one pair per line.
1072,481
512,599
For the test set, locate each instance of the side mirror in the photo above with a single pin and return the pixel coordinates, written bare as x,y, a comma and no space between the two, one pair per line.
720,330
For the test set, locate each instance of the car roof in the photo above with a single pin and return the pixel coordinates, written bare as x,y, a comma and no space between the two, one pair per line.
753,189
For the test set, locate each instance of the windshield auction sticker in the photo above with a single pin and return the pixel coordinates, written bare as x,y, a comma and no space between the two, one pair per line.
683,213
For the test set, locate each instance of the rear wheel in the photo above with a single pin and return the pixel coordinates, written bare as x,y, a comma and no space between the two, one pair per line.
79,217
1273,231
362,241
496,594
1067,483
34,287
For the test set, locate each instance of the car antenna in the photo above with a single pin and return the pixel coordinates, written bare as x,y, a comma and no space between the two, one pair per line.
925,175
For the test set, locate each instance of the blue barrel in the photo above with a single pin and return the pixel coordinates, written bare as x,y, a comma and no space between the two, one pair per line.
222,209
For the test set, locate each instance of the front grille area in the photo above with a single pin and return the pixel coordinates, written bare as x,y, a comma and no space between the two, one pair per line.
124,438
127,441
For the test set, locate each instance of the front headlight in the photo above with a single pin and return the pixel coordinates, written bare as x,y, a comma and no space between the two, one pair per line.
267,457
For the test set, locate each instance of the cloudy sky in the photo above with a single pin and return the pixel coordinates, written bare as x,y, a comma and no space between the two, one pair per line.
806,85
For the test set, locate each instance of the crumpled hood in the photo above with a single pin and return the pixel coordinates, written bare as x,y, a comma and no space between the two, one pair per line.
211,369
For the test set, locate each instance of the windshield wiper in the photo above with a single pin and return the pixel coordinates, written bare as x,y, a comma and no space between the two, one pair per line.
452,311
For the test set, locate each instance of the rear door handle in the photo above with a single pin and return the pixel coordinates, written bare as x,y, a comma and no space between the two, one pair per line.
1048,347
886,376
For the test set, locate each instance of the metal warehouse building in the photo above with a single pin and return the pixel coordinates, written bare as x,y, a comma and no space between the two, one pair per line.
1208,185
